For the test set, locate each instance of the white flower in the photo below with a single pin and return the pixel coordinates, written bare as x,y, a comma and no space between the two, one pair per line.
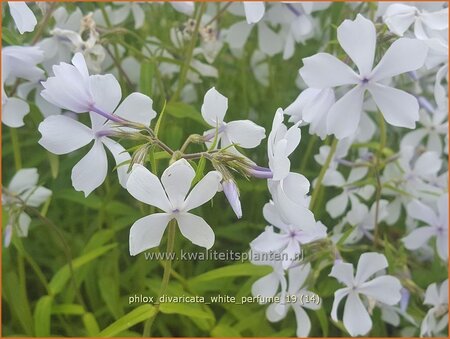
358,39
23,16
436,226
296,228
436,319
73,89
22,189
171,196
385,289
434,125
399,17
244,133
62,135
414,174
289,190
269,41
297,294
350,192
312,106
18,62
60,45
363,220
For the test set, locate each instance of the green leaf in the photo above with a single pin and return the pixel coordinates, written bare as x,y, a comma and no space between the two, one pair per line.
224,331
199,171
132,318
161,116
187,309
232,271
53,159
182,110
110,294
323,320
90,324
92,201
9,37
68,309
42,316
61,277
146,79
17,302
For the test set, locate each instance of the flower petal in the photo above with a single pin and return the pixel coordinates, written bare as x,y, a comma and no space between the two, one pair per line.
338,296
245,133
146,187
345,114
62,135
106,92
399,108
368,264
266,286
177,179
343,272
269,241
358,39
404,55
90,172
37,196
303,322
13,112
422,212
204,191
337,205
138,108
324,70
254,11
147,232
385,289
23,16
237,34
269,42
418,237
356,319
24,179
195,229
214,107
122,158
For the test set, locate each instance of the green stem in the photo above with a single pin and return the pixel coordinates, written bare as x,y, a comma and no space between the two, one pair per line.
166,275
378,165
307,156
16,149
323,170
189,54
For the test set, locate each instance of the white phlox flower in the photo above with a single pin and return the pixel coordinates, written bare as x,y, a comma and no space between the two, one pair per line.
171,196
436,319
23,189
18,62
358,39
298,298
295,229
350,190
383,288
97,94
243,133
436,226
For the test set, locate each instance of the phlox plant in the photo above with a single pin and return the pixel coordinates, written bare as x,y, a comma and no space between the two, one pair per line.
225,169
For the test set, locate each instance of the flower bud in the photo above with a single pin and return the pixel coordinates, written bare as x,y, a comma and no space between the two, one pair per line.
232,193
